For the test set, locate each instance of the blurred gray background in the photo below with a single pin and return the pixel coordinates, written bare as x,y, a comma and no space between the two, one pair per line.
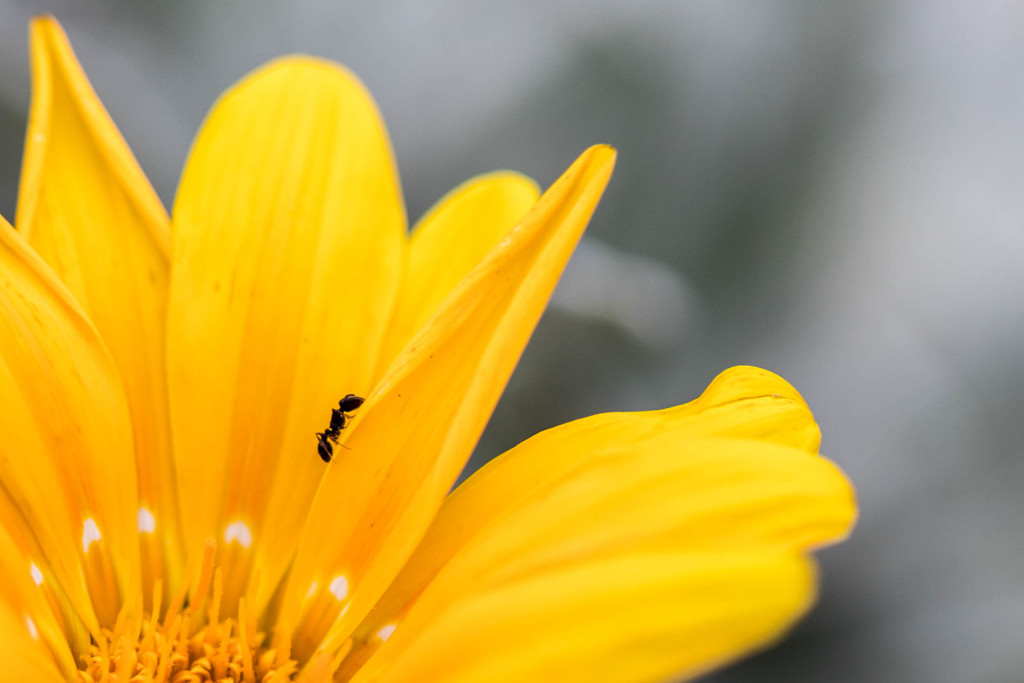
831,190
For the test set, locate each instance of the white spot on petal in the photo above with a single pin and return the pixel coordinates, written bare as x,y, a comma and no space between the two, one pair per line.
147,522
90,533
238,531
339,587
37,574
33,631
386,632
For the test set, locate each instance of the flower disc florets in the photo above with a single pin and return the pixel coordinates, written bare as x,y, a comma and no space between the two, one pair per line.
191,644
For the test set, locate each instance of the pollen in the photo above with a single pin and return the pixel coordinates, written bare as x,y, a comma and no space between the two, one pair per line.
190,643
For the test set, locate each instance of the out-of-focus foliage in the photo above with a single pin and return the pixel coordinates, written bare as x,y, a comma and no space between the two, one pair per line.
831,190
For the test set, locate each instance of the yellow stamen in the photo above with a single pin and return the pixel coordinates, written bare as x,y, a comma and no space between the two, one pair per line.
218,593
205,574
243,631
148,648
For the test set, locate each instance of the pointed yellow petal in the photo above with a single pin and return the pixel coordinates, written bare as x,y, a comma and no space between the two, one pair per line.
288,248
449,241
413,436
623,619
66,460
89,212
77,167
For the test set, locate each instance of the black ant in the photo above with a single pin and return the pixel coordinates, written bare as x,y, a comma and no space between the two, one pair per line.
339,419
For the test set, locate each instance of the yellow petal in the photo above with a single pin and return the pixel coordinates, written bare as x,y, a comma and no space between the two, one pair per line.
89,212
449,241
418,427
577,496
66,461
23,591
289,238
27,656
751,403
621,619
649,480
659,493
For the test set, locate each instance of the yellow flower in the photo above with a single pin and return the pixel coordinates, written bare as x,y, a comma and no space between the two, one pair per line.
163,507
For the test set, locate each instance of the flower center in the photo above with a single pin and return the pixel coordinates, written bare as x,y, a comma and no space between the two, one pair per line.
162,652
189,644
